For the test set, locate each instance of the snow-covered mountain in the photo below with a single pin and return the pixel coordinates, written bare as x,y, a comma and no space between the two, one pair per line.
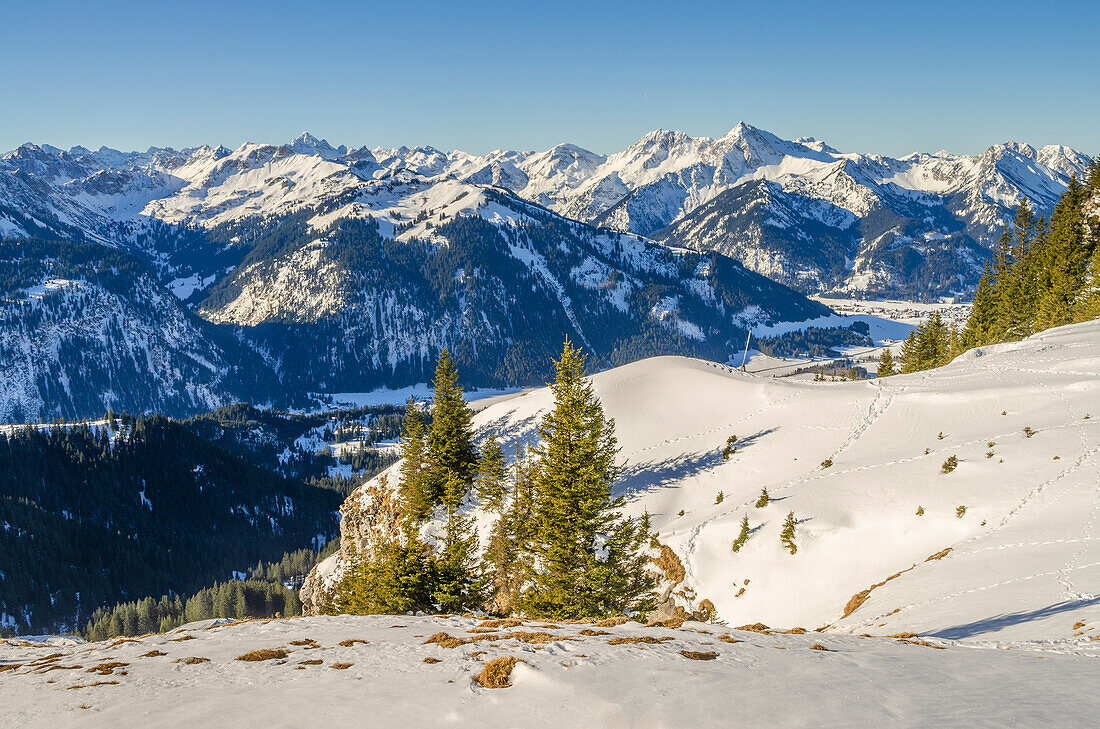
889,539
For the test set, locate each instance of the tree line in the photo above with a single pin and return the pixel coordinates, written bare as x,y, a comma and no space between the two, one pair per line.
1044,273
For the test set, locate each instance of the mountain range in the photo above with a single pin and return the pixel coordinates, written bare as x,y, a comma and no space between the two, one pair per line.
305,267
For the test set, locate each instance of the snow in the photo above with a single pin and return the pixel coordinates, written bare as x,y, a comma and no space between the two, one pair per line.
1025,559
400,395
571,680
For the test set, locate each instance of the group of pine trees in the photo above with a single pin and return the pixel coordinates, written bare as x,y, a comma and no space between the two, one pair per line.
1043,274
559,548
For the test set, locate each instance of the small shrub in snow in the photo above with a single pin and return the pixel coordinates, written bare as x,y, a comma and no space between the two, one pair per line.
989,454
743,536
680,513
719,498
920,511
960,511
927,451
1028,432
730,449
827,463
763,500
940,436
990,444
950,464
497,672
787,535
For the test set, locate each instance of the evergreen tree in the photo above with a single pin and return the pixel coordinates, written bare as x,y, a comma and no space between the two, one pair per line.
787,535
492,475
508,564
743,536
886,366
588,558
414,465
762,501
456,582
910,354
450,443
393,579
1063,260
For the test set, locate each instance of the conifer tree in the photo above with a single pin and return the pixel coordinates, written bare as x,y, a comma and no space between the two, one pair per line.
394,578
762,501
886,366
1063,260
450,443
456,581
491,475
910,355
414,465
588,558
743,536
787,535
507,563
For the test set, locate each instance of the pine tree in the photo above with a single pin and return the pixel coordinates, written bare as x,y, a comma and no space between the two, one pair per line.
787,535
456,581
886,366
910,355
508,565
492,475
763,500
743,536
414,465
588,558
393,579
1062,260
451,451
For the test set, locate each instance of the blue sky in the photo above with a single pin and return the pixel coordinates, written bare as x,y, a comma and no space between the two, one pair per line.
887,76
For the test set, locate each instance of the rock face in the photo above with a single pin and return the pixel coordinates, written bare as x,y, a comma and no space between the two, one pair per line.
371,514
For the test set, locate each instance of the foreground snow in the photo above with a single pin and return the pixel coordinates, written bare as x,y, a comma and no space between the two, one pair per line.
566,680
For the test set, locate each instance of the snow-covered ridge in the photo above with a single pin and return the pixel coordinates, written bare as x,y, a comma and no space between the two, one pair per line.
1004,547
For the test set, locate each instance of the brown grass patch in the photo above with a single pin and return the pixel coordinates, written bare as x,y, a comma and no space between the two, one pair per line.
429,659
313,662
699,655
903,635
818,647
794,631
107,668
756,628
192,660
670,565
612,621
264,654
727,638
475,654
861,597
673,623
499,623
60,668
121,641
1078,625
351,641
94,683
152,654
924,643
309,642
10,667
939,555
497,672
631,640
342,666
590,631
445,640
181,638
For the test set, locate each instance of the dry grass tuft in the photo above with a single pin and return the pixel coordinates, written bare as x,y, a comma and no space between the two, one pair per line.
532,637
60,668
612,621
497,672
342,666
192,660
107,668
184,637
670,565
429,659
10,667
861,597
673,623
309,642
818,647
264,654
699,655
794,631
924,643
351,641
475,654
903,635
1078,625
94,683
590,631
314,662
445,640
756,628
498,623
631,640
727,638
939,555
153,654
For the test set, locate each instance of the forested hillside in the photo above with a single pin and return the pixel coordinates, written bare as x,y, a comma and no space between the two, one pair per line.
93,516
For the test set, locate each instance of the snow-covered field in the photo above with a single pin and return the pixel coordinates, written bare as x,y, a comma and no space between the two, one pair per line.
1024,559
566,679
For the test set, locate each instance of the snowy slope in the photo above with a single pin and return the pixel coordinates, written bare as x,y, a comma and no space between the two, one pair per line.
391,678
1024,559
